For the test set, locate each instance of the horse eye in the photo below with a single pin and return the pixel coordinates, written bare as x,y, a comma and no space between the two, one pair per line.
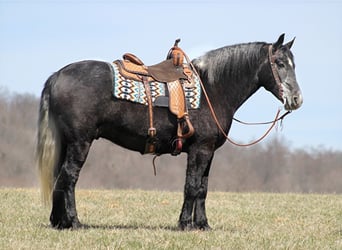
280,64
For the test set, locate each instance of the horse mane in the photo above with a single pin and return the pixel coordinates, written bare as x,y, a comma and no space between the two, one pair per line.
230,62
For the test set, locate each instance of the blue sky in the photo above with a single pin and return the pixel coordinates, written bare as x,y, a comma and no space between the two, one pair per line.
39,37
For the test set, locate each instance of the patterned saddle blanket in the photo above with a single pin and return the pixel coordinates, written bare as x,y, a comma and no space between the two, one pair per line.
133,90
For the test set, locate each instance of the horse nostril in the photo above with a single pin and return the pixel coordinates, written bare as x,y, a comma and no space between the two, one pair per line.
297,100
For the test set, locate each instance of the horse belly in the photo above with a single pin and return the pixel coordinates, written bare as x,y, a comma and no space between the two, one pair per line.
129,127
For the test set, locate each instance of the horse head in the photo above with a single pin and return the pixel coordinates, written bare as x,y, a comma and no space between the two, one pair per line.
284,85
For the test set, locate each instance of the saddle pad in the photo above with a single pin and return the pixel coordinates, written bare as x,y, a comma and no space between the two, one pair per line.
134,91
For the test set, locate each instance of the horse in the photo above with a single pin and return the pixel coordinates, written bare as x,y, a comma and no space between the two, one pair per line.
77,107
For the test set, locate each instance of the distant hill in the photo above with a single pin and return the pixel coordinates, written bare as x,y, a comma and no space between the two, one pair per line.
268,167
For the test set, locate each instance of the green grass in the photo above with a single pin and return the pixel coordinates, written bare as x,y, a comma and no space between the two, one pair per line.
135,219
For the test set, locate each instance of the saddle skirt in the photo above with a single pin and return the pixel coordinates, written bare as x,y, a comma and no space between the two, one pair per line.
128,84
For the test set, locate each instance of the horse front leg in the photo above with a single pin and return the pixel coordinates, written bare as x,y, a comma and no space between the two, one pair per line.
200,217
64,214
195,191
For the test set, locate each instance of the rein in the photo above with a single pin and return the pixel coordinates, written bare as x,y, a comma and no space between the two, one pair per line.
273,123
261,123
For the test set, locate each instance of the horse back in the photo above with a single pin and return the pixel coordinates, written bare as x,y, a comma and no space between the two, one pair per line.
82,98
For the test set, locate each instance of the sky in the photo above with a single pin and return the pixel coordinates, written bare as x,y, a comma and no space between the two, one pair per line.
39,37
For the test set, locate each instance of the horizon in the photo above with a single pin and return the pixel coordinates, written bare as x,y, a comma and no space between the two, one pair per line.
37,41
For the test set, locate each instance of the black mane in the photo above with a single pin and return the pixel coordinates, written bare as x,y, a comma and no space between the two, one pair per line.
230,62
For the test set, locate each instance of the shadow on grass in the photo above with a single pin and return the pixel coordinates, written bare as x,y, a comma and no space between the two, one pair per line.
128,227
116,227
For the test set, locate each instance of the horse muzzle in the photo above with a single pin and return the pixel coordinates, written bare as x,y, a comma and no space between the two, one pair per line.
293,102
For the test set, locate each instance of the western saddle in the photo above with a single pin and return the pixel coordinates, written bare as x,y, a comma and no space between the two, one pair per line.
174,72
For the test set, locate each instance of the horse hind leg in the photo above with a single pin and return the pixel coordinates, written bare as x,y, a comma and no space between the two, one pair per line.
64,214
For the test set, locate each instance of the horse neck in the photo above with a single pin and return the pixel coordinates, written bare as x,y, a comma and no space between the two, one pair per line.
231,73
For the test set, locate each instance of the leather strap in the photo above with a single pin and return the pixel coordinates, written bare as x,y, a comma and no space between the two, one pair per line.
275,73
182,123
152,130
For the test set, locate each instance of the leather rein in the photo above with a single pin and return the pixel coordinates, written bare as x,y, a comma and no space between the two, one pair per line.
276,77
273,123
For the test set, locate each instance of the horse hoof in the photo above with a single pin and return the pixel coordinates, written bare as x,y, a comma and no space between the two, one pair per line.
206,228
66,225
183,226
203,227
77,225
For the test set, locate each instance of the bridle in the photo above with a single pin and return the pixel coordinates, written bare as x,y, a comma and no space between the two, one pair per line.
276,77
271,59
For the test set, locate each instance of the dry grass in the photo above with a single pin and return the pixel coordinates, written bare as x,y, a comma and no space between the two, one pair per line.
135,219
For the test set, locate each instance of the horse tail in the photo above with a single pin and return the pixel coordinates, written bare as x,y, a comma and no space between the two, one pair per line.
48,144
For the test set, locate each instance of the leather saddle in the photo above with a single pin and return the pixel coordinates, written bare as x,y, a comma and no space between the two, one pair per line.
133,68
173,72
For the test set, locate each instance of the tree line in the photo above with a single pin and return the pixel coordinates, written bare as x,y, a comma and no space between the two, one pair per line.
270,166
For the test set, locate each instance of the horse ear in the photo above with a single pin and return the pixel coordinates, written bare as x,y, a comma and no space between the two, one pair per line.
289,44
279,43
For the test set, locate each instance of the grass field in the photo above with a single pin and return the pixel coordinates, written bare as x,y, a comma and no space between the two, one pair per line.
135,219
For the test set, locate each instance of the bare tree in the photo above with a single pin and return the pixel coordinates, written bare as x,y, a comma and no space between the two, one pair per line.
271,166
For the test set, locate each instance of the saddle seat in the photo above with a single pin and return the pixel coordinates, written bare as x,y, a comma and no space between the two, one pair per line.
132,67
